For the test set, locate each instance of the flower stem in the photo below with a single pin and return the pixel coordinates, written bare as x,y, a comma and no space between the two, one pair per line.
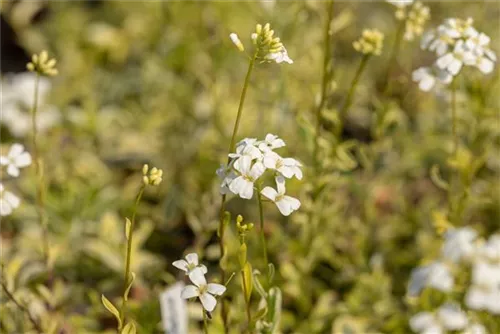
127,273
247,303
324,82
40,200
205,322
262,234
454,178
350,94
23,309
223,202
394,53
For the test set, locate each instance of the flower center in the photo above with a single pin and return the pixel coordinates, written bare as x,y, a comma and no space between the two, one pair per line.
248,178
279,164
203,289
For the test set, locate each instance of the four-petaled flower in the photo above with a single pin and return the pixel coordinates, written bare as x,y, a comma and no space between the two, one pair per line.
286,204
190,264
243,183
271,142
15,159
205,292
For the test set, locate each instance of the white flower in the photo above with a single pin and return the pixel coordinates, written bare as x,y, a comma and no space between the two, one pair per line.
475,329
243,184
483,298
190,264
271,142
453,61
15,159
459,244
435,275
448,317
288,167
400,3
491,249
279,56
246,147
205,292
226,175
236,41
427,77
8,201
286,204
485,58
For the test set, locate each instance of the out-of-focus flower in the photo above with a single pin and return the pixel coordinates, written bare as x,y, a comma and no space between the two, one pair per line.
152,177
435,275
370,42
427,77
459,244
236,41
448,317
286,204
248,174
454,60
8,201
15,159
475,329
417,17
205,292
42,64
189,264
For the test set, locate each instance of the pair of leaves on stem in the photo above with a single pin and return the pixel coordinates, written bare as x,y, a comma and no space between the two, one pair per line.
129,328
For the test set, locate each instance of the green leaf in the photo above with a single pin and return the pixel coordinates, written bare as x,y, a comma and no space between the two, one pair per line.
111,308
258,286
275,301
270,273
437,179
247,277
128,224
129,286
261,313
242,255
129,329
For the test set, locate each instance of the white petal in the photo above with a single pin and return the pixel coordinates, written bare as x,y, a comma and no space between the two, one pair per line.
293,202
208,301
270,159
13,171
280,183
286,171
15,150
23,160
284,207
421,321
203,268
257,170
190,291
4,160
192,258
444,61
485,65
269,193
216,289
197,277
5,208
452,317
181,264
427,83
239,184
455,66
247,190
242,165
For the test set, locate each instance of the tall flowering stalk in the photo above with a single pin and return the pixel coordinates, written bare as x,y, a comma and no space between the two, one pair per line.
41,65
150,177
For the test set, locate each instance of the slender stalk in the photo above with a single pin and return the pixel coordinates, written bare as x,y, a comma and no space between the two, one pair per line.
247,303
262,234
350,94
23,309
454,178
394,53
40,200
324,82
127,273
205,322
223,202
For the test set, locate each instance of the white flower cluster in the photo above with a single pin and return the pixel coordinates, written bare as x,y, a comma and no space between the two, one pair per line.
17,101
456,43
252,158
461,247
200,288
15,159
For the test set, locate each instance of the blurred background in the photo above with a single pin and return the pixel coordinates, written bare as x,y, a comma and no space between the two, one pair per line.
159,82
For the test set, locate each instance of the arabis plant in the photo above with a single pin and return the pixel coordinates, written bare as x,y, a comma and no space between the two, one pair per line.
252,159
206,292
456,44
189,264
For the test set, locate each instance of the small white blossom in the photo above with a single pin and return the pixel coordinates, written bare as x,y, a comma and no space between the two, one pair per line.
8,201
15,159
436,275
453,61
248,174
428,77
205,292
236,41
246,147
279,56
286,204
483,298
271,142
459,244
491,249
189,264
448,317
288,167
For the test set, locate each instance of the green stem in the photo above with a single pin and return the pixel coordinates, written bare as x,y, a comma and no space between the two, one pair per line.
262,234
223,202
40,201
127,273
205,322
350,94
394,53
324,82
23,309
454,178
247,303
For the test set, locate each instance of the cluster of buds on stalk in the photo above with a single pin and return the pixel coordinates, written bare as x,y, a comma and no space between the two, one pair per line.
151,177
42,65
370,42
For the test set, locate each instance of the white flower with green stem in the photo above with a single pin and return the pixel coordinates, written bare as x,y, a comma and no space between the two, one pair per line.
206,292
286,204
